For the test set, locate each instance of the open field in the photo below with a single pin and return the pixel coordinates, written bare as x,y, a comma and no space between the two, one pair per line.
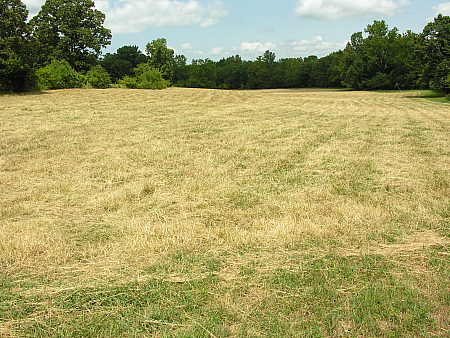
204,213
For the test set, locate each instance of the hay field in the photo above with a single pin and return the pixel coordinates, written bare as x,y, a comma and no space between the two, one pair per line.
206,213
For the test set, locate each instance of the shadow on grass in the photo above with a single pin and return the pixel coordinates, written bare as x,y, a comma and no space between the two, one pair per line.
32,93
431,95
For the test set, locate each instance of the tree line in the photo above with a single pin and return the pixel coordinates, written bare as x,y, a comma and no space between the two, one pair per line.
61,48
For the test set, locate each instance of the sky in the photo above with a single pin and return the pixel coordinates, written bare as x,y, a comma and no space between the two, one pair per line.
219,28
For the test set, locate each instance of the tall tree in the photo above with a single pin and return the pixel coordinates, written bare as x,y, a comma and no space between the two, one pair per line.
71,30
15,56
180,73
231,73
377,60
286,73
435,53
161,57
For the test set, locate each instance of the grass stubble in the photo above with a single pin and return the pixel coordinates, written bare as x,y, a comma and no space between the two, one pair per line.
205,213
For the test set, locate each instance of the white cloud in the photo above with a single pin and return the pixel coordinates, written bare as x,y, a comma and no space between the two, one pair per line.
298,48
216,51
443,8
335,9
186,46
256,46
286,49
214,12
133,16
315,46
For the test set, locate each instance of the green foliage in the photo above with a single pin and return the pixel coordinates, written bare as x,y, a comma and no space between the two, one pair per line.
152,79
379,81
161,58
71,30
201,74
128,82
123,62
16,73
381,59
98,77
435,53
58,75
145,77
232,73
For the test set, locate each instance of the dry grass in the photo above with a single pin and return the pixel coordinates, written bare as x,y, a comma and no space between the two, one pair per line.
99,186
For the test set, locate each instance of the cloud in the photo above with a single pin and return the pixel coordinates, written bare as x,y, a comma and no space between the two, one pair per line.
336,9
186,46
133,16
217,51
285,49
256,46
214,12
443,8
315,46
297,48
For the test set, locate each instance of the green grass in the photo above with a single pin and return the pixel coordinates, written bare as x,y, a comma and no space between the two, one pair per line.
368,296
434,96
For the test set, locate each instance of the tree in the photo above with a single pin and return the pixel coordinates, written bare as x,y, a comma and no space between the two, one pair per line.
231,73
286,73
180,73
161,57
379,60
261,72
15,59
435,53
123,62
132,54
71,30
202,74
307,72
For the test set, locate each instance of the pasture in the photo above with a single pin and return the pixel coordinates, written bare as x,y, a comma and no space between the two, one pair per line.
207,213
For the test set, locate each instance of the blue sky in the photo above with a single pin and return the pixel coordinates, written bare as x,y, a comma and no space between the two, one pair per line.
290,28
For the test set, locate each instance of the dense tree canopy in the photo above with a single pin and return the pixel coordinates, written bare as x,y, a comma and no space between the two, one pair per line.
378,60
71,30
435,53
123,62
15,62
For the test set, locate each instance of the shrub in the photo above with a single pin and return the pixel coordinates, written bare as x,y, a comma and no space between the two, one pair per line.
58,75
152,79
98,77
146,77
128,82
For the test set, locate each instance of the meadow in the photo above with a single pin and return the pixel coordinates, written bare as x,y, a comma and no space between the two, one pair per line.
208,213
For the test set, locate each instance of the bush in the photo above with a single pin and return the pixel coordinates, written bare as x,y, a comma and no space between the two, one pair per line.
58,75
98,77
152,79
129,82
146,77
